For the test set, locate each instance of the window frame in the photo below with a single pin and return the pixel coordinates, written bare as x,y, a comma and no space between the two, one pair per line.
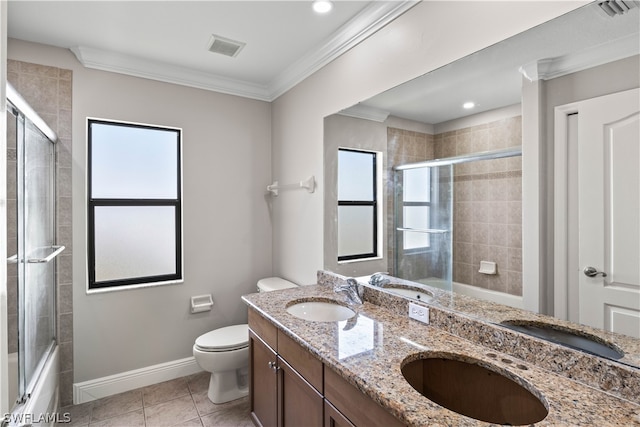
428,248
373,204
93,203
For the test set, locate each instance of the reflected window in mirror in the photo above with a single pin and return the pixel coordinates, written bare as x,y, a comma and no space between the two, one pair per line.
416,209
357,204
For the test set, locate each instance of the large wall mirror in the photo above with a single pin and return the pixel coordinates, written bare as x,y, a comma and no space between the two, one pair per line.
461,222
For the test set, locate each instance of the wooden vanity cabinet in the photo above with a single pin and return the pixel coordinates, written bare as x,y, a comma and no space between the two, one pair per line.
289,387
300,403
334,418
359,408
263,384
279,394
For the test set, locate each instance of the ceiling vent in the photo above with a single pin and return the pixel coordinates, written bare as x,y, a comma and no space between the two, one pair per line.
617,7
225,46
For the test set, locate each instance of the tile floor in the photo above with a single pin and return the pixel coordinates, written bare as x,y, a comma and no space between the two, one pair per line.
179,402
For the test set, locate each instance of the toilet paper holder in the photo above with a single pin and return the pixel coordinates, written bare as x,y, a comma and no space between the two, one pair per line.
201,303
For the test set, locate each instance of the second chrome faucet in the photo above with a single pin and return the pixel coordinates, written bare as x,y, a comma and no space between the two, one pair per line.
351,288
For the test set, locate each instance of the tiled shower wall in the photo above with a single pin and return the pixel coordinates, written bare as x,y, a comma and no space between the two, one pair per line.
48,91
487,211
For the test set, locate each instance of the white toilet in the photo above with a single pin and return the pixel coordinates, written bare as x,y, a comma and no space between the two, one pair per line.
225,353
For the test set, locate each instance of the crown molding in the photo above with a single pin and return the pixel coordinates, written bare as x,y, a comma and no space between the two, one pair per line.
364,24
551,68
133,66
365,112
367,22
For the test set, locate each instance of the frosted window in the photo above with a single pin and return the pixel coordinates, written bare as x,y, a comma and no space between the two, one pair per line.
355,175
130,162
355,230
416,217
136,241
135,205
416,185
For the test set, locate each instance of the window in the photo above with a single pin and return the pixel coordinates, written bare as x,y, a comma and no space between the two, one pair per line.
134,204
416,208
357,205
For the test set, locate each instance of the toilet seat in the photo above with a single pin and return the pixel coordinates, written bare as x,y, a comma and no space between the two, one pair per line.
228,338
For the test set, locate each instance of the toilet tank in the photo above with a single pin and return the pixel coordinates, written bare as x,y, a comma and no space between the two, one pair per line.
274,283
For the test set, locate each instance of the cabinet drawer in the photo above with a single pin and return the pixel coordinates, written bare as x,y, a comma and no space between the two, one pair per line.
356,406
263,328
301,360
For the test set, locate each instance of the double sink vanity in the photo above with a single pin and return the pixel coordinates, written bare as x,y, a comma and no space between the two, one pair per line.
317,358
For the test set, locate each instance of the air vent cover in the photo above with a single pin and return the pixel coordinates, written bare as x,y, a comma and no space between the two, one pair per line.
225,46
617,7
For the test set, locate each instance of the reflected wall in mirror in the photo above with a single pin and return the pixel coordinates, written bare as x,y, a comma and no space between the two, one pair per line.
516,86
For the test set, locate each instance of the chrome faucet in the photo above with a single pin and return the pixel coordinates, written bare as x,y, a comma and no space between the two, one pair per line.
351,288
377,279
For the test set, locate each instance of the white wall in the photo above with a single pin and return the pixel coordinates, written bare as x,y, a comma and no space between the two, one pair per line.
227,224
430,35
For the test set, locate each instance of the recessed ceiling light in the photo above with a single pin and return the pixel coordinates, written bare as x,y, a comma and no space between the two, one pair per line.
322,6
468,105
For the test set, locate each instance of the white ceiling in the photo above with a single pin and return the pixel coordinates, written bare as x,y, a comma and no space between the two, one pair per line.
491,78
168,40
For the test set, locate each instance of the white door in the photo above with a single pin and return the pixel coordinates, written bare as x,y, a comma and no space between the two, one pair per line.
609,212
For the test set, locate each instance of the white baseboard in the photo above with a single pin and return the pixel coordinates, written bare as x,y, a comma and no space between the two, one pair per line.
113,384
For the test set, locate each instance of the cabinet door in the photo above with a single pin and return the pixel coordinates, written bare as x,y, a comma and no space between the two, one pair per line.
263,382
301,404
355,405
333,418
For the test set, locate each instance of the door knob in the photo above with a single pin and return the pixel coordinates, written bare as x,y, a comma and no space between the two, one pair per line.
593,272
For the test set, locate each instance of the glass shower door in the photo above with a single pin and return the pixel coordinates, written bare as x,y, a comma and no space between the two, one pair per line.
35,184
423,224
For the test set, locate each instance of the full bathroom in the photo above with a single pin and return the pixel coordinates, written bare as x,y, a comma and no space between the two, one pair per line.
252,232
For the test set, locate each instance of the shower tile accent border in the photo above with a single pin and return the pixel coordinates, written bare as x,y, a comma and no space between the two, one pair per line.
49,91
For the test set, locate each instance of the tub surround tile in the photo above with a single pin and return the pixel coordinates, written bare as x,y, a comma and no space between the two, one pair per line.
543,368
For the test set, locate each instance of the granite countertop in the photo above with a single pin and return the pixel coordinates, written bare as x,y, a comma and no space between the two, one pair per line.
369,350
498,313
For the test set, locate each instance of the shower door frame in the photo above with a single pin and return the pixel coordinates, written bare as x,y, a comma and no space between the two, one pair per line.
23,115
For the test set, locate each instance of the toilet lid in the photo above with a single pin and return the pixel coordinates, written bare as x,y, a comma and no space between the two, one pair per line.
227,338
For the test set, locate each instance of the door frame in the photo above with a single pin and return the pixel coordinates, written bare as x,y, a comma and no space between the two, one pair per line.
563,249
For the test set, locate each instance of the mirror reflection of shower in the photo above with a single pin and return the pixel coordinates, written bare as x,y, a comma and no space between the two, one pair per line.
424,217
32,251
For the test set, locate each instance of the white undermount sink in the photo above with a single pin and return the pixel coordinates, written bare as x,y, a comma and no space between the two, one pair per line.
320,311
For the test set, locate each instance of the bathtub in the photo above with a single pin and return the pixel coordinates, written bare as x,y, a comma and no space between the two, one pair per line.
13,379
476,292
40,409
